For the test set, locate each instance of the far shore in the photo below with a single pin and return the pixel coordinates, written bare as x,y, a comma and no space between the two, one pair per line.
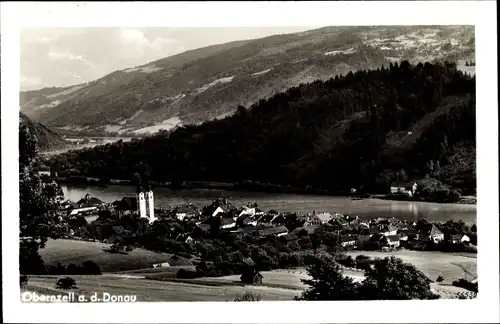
250,186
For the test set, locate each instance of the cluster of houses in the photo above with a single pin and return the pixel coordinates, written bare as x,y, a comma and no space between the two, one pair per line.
86,206
353,232
142,204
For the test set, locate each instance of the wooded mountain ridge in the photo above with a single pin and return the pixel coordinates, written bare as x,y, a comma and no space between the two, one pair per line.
365,129
207,83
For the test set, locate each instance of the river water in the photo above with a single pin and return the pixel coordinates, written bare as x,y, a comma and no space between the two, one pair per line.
366,208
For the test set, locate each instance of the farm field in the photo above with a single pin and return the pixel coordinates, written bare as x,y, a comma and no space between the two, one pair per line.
451,266
156,291
282,278
160,270
77,252
277,285
292,279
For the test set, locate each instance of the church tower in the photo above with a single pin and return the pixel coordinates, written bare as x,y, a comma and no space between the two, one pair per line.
141,204
150,204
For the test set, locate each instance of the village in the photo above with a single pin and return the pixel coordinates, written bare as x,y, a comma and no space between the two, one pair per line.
236,221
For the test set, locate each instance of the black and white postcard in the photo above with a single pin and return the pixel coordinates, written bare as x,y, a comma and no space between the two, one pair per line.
250,162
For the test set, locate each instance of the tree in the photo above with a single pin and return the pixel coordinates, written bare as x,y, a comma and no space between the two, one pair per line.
91,268
391,279
66,283
39,201
73,269
328,282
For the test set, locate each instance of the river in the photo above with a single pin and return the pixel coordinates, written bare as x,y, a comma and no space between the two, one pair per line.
366,208
97,141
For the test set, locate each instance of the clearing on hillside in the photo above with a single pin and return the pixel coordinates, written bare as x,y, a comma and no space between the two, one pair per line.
77,252
433,264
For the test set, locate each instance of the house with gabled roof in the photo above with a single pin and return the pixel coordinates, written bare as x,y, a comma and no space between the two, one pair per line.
290,238
408,188
251,276
217,207
308,229
204,228
393,241
227,223
388,230
245,230
430,233
321,218
186,212
126,206
347,240
373,230
459,238
273,231
89,201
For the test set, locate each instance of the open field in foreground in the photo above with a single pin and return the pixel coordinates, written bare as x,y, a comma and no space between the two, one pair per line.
155,291
289,278
451,266
136,272
77,252
292,279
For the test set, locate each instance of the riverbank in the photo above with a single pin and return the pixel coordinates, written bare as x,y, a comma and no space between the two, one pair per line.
250,186
465,200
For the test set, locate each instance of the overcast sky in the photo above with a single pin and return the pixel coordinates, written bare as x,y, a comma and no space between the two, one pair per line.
67,56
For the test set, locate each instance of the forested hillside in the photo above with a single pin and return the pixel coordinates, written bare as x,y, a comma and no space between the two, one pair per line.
364,129
207,83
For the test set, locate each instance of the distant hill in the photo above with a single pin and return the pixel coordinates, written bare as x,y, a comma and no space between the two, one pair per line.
210,82
362,130
46,138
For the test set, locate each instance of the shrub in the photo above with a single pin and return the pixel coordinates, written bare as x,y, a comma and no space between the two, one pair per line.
57,269
72,269
248,296
439,279
346,261
90,268
466,284
186,274
363,262
66,283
